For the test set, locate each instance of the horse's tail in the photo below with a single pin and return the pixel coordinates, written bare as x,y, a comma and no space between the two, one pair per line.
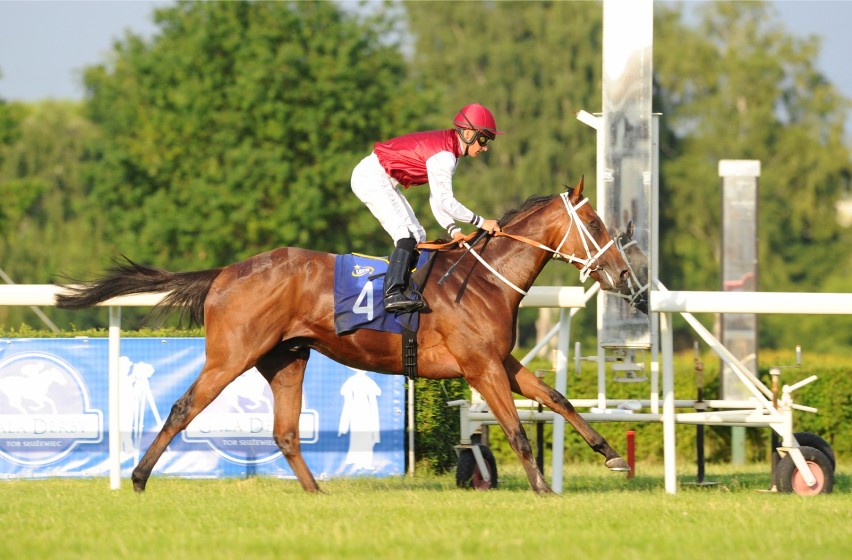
185,289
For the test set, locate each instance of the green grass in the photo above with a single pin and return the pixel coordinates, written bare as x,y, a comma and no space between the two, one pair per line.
599,515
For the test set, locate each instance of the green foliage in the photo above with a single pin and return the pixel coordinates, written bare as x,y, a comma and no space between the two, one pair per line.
235,130
25,331
436,424
533,71
831,394
45,227
9,123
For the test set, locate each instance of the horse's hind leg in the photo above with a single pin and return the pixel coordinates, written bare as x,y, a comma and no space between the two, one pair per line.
524,382
284,369
211,381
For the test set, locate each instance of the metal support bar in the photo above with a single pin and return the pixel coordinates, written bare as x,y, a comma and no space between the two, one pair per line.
480,462
114,353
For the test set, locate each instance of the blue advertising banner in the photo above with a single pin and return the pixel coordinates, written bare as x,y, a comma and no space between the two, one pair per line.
54,413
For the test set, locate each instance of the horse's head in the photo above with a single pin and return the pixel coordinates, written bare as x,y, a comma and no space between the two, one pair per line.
635,287
587,244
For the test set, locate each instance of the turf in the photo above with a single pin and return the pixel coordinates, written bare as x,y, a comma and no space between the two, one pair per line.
600,515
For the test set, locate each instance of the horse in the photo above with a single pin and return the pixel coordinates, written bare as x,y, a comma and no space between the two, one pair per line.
636,285
268,312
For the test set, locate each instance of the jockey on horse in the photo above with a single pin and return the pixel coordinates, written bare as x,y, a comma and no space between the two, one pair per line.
416,159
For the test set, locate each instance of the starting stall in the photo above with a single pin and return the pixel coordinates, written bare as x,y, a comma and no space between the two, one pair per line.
637,347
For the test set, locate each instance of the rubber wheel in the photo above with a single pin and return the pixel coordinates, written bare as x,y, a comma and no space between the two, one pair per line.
790,480
468,474
813,440
810,440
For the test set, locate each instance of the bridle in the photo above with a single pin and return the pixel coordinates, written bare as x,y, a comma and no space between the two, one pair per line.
589,262
632,281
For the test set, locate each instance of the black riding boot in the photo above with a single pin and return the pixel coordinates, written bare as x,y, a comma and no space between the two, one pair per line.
396,280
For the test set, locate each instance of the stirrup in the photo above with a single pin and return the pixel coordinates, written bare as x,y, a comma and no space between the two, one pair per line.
397,302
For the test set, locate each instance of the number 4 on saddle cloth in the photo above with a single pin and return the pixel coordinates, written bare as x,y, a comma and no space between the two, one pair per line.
359,302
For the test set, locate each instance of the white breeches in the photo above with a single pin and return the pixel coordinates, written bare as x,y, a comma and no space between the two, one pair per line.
382,195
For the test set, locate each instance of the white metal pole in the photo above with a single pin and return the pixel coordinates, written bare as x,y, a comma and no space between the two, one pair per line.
114,412
411,427
669,455
655,261
558,442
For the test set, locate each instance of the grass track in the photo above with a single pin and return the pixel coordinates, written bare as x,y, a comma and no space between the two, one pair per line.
600,515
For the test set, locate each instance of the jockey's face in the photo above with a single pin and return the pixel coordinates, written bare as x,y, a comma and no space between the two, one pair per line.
478,142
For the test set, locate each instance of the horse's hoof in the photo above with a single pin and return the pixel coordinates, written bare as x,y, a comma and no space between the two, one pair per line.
617,464
138,484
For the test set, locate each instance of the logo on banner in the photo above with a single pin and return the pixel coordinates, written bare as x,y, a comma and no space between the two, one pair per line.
360,419
44,409
238,424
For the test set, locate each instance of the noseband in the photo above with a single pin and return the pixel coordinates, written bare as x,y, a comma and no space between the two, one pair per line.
589,262
585,236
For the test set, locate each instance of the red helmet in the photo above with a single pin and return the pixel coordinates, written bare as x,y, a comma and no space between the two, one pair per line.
477,117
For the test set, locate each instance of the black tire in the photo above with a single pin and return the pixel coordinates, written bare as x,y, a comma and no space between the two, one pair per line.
467,471
813,440
810,440
791,481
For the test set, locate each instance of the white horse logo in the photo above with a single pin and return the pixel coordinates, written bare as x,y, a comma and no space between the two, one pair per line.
28,392
246,395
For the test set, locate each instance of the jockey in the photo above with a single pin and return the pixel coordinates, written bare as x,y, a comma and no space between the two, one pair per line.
416,159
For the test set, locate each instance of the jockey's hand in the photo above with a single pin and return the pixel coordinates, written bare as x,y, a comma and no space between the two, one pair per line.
491,226
458,237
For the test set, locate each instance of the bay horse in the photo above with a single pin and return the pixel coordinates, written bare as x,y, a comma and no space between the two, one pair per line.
268,311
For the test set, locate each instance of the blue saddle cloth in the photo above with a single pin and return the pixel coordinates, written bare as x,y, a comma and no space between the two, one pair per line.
359,296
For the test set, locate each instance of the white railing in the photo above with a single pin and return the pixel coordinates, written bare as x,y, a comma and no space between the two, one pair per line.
666,302
45,295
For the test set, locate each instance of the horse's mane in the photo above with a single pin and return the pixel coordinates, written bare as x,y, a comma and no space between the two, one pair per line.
531,202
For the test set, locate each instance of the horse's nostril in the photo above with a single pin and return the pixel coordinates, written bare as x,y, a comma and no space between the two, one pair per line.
624,274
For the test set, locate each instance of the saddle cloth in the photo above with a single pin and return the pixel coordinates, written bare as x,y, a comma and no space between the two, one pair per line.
359,296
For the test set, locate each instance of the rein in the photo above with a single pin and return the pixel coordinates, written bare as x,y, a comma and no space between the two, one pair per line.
588,263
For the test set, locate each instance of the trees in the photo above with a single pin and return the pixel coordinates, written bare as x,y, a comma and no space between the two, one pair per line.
738,86
534,64
235,130
45,228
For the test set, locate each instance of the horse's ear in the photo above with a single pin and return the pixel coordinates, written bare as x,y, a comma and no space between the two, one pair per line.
630,229
577,193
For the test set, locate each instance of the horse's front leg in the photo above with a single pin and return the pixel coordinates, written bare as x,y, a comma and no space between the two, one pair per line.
493,385
525,383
